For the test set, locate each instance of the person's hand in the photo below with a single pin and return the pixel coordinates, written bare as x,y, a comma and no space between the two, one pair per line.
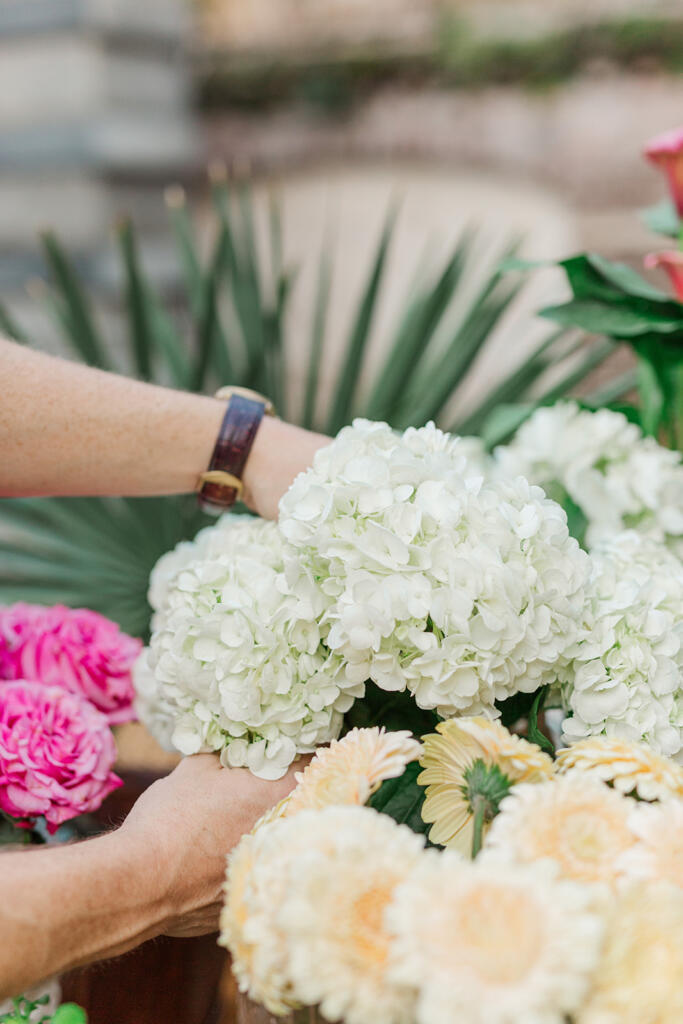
188,822
279,453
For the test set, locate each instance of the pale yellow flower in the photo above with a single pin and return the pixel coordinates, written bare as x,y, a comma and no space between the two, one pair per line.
450,753
628,766
255,888
658,852
493,944
332,921
350,770
576,821
640,977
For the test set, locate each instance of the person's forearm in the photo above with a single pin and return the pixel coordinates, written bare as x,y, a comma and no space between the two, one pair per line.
62,907
67,429
70,429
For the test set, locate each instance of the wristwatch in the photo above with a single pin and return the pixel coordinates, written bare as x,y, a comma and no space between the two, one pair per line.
220,486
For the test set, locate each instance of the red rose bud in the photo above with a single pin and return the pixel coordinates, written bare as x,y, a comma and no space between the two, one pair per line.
672,262
666,151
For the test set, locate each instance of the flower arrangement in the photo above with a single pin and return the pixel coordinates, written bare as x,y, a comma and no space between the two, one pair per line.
56,755
73,648
390,563
345,908
65,680
426,601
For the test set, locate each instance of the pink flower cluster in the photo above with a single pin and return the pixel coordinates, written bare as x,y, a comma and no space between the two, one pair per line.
75,649
56,754
65,678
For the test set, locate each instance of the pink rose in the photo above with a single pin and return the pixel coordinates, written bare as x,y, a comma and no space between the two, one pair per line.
672,262
76,649
666,151
56,754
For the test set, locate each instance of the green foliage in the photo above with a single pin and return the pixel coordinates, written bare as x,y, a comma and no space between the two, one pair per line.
534,733
28,1011
611,299
231,328
402,799
663,219
393,710
332,81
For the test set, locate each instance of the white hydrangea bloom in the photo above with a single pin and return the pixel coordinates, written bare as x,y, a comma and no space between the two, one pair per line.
239,662
624,678
617,477
493,943
426,576
229,534
152,708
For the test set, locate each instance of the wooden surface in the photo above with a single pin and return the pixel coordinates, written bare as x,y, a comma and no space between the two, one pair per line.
165,981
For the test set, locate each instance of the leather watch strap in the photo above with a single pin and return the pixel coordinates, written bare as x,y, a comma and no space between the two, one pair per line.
221,484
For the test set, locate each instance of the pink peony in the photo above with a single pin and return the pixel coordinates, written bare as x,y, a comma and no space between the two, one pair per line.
672,262
76,649
56,754
666,151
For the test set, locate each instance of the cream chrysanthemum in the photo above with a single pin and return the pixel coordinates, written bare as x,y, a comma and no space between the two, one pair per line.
448,757
638,980
627,766
493,945
658,853
332,921
350,770
255,887
576,821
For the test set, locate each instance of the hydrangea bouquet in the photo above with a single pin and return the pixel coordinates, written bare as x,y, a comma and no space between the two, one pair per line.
455,616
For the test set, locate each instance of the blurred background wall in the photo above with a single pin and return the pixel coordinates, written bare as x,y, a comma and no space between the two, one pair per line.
525,116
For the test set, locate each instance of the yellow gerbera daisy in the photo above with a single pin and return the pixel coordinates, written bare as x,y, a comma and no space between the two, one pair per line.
350,770
576,821
658,853
639,978
629,767
448,759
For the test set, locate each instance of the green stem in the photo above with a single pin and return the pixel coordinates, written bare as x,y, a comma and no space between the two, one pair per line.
479,805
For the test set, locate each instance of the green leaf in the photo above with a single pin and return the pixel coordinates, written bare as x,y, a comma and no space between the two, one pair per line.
184,237
626,279
418,325
614,321
652,398
69,1013
402,799
434,386
341,412
662,218
137,306
515,708
10,327
615,389
504,421
320,309
514,386
534,734
82,332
